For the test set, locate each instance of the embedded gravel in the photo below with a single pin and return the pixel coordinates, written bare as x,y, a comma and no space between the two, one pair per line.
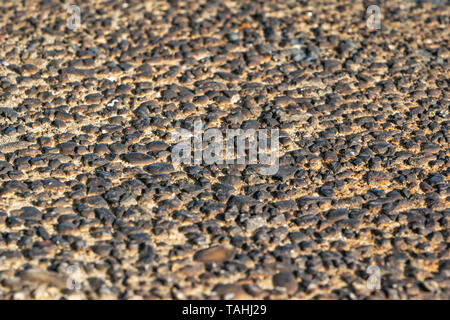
93,207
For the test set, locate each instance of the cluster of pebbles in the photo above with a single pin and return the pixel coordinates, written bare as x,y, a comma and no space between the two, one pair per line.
93,207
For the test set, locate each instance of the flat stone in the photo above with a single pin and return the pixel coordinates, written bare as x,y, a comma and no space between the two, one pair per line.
159,168
230,291
157,146
217,254
44,277
137,158
254,223
30,213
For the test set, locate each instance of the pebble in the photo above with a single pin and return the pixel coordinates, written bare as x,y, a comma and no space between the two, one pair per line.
285,280
230,291
138,158
49,278
254,223
216,254
87,179
159,168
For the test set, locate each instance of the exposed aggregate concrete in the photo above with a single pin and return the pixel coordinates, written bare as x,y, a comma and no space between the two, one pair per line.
90,195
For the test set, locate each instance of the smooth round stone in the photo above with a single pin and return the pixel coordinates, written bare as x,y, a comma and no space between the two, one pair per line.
159,168
137,158
49,278
215,254
285,280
